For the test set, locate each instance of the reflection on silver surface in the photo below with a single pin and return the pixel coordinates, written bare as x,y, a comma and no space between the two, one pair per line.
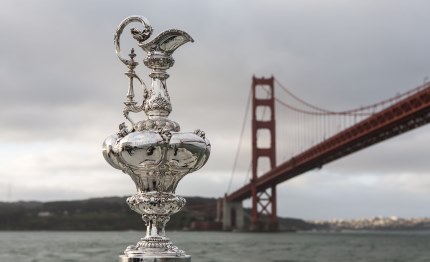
153,152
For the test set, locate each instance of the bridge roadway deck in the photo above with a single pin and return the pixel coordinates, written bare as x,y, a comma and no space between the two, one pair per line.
407,114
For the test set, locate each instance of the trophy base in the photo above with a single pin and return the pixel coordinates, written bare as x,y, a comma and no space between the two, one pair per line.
124,258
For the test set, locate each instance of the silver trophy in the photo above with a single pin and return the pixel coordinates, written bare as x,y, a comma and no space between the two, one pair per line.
153,152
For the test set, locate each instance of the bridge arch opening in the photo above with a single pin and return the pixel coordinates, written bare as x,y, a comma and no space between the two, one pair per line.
263,92
264,138
263,113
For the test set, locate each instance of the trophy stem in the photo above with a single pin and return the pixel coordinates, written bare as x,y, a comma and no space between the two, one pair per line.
156,208
155,225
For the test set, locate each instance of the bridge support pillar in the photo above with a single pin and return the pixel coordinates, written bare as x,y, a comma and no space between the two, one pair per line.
233,215
264,215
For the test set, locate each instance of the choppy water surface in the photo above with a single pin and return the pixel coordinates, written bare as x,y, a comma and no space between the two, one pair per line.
220,247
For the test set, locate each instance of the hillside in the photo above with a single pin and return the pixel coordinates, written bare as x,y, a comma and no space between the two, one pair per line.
110,213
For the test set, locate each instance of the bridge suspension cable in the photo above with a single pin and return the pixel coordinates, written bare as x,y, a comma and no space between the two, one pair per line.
236,157
353,111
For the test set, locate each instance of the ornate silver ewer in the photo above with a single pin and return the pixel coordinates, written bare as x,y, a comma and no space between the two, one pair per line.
153,152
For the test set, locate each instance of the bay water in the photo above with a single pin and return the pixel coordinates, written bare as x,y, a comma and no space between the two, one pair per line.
70,246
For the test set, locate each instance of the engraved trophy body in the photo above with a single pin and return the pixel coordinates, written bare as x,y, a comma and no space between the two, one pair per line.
153,152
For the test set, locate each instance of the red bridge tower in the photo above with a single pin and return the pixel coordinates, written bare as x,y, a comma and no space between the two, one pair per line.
264,215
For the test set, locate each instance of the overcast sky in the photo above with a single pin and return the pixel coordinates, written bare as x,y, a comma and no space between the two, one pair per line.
62,88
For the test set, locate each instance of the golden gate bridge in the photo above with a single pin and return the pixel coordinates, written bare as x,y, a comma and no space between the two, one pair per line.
320,137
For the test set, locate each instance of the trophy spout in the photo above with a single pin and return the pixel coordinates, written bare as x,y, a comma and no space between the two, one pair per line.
167,42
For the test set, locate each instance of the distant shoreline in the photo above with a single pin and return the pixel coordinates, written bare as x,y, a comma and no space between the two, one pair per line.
113,214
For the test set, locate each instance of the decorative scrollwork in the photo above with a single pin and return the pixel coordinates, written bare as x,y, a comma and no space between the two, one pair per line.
123,130
200,133
145,34
157,103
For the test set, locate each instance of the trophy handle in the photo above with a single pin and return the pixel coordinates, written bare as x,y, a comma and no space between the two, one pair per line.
138,35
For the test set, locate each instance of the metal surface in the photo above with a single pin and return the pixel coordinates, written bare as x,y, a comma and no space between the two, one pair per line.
153,151
405,115
263,200
185,258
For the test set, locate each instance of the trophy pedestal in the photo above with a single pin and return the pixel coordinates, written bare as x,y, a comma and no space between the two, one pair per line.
124,258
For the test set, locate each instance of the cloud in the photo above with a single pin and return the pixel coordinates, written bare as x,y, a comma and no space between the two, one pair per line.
62,87
326,195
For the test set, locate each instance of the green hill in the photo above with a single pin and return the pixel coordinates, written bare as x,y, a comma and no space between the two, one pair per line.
110,213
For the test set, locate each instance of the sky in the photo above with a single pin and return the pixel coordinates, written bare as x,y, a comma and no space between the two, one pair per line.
62,89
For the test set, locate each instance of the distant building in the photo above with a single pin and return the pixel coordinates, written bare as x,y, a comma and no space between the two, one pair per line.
44,214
